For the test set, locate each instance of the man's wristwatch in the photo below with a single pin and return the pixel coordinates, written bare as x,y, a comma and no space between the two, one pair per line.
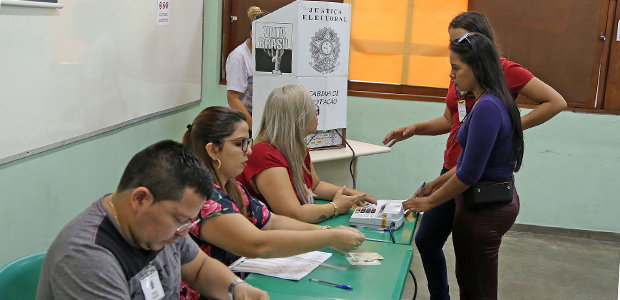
231,288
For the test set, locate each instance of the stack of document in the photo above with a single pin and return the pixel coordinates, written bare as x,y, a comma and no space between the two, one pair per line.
292,268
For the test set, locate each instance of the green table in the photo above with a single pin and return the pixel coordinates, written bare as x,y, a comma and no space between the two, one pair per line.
403,235
385,281
275,295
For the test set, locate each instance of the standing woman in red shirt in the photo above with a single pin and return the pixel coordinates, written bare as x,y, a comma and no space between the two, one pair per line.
436,225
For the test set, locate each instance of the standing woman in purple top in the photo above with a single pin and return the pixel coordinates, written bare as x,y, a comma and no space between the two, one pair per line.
492,140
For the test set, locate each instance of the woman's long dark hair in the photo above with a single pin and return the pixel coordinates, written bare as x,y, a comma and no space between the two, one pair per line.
481,55
473,21
213,125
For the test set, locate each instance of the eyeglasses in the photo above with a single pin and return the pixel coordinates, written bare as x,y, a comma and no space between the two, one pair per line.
318,111
188,225
464,37
185,226
245,143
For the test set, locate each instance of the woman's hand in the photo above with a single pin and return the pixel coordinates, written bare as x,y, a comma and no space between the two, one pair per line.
344,202
417,205
428,189
349,228
346,239
399,134
368,198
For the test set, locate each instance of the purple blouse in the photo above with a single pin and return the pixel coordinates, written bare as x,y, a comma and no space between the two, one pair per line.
487,141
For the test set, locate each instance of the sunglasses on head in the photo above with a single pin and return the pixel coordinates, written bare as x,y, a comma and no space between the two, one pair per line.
464,37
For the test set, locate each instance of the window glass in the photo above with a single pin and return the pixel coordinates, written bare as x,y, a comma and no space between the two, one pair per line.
402,41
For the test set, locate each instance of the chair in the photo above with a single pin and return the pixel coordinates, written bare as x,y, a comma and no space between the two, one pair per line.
19,279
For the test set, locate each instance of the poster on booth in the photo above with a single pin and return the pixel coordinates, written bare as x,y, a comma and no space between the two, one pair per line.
330,97
323,39
305,43
273,45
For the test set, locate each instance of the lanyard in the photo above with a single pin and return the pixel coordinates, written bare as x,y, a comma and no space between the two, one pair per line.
461,123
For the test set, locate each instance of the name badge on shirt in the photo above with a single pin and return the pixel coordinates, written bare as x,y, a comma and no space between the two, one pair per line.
462,110
151,286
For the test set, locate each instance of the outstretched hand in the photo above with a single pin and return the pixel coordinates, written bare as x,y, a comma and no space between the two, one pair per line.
398,135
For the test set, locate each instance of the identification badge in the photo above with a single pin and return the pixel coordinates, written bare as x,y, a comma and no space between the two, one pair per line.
462,110
151,286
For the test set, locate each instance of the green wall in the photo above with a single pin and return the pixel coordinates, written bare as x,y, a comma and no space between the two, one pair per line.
566,180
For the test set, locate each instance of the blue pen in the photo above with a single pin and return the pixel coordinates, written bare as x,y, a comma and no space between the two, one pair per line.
422,187
342,286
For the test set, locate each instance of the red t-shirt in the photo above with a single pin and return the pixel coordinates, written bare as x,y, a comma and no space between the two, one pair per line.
516,78
265,156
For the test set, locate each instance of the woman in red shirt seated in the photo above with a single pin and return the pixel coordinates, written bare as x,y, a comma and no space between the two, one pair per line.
279,171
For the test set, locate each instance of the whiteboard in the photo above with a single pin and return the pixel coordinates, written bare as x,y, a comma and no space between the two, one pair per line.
93,66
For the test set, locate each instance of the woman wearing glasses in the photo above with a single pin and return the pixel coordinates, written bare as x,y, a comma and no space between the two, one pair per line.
492,141
436,225
280,172
234,223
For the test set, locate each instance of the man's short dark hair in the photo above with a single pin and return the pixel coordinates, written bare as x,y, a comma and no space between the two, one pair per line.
166,168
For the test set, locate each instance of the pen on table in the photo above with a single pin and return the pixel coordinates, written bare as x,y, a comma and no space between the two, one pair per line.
342,286
372,228
375,240
421,188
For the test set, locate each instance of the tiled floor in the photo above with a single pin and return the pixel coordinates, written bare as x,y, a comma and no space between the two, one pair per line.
541,267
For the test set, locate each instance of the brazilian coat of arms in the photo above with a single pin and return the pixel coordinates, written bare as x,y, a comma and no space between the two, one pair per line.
325,49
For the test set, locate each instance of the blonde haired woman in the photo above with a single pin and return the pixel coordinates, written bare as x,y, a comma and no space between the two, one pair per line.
280,173
239,80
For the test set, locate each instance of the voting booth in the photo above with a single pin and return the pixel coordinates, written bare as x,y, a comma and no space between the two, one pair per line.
304,43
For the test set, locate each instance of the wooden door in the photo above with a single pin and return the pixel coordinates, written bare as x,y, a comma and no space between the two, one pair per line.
611,101
557,40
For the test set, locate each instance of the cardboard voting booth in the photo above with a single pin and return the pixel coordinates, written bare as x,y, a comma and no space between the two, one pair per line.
305,43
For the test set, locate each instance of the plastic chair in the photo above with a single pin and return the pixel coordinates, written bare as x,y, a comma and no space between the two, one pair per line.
19,279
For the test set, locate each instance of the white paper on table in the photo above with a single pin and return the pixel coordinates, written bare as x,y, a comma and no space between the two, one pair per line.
291,268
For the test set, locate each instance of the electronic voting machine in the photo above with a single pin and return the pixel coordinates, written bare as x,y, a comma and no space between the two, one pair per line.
379,216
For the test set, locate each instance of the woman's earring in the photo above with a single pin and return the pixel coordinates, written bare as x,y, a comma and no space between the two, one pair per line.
219,163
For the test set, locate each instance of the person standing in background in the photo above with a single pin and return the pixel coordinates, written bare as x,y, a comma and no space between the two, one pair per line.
239,80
